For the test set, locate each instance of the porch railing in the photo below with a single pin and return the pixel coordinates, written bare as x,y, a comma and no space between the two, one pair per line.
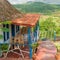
47,35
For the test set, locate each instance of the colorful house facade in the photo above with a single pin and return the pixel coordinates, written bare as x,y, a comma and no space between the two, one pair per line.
12,24
7,13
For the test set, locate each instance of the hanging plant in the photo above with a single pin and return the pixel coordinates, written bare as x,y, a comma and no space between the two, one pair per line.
34,46
0,23
1,36
6,22
5,29
57,44
4,47
58,56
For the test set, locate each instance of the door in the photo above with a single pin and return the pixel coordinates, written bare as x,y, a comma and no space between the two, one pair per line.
13,30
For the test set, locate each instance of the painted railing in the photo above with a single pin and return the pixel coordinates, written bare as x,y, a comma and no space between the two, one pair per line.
47,35
42,35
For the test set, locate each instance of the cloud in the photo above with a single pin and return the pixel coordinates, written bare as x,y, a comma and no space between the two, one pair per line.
24,1
50,1
53,1
17,1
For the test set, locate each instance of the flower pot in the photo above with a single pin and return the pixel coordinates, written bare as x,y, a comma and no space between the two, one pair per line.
58,56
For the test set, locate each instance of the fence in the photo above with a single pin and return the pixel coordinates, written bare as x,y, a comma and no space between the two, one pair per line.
44,35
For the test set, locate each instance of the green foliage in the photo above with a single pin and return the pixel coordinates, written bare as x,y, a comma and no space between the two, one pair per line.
34,45
47,28
4,47
47,25
57,44
53,10
38,7
1,36
6,22
58,31
5,29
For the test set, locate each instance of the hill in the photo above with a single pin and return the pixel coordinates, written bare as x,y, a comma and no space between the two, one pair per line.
38,7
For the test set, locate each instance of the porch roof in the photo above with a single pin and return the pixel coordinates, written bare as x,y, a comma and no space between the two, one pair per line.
27,20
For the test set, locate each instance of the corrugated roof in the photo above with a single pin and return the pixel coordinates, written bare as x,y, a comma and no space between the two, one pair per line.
27,20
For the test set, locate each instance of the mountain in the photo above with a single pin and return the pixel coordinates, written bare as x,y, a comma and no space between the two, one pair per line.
24,1
38,7
49,1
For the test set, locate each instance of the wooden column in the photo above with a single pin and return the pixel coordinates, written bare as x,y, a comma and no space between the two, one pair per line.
38,30
32,35
30,41
35,34
10,35
15,30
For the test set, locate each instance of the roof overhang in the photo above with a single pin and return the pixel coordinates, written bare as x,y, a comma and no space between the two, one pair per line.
27,20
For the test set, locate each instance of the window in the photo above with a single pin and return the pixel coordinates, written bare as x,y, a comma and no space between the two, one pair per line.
13,30
7,26
6,34
17,28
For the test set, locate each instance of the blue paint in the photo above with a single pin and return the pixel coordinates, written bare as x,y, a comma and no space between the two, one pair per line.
34,35
13,30
36,31
29,41
17,28
38,25
38,28
7,35
7,32
4,34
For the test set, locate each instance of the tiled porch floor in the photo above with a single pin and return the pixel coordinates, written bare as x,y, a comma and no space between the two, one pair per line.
15,56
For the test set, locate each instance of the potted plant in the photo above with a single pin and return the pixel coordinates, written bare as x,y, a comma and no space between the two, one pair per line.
57,44
58,56
4,48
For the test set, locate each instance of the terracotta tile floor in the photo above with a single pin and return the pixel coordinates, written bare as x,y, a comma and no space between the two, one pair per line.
14,56
12,59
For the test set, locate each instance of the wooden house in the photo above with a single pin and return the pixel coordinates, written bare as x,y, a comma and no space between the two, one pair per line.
13,22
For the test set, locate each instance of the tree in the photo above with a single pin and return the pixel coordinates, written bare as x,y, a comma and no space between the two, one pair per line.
47,25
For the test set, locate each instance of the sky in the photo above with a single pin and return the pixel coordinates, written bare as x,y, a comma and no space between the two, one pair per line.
18,1
24,1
